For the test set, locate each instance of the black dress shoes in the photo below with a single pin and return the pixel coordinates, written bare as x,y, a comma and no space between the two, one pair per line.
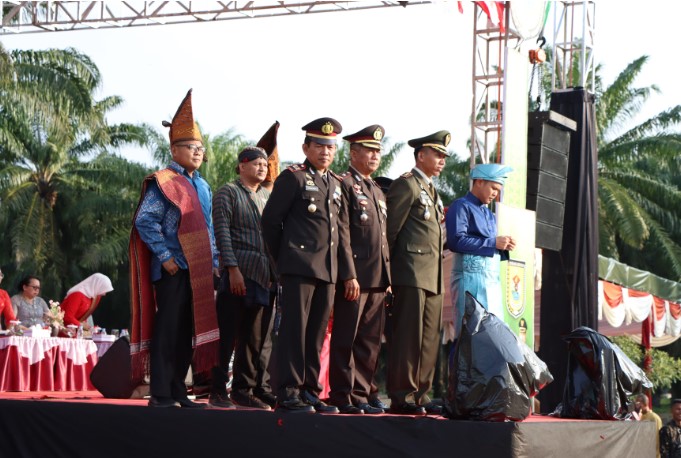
433,409
162,402
186,403
268,398
246,399
377,403
369,409
350,410
293,405
407,409
221,401
318,405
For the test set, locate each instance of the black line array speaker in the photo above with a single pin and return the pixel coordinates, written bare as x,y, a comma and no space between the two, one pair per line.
548,147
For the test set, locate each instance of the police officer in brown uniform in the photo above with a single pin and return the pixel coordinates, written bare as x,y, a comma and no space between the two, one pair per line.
305,227
415,212
358,324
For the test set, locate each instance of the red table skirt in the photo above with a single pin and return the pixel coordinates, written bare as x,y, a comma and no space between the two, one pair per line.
55,371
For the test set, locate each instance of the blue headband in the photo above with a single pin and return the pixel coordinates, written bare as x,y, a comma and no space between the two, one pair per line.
491,172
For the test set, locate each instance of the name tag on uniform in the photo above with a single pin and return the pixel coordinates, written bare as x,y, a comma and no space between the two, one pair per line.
311,188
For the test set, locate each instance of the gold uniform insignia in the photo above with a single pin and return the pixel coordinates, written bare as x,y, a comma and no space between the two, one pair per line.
447,139
378,134
327,128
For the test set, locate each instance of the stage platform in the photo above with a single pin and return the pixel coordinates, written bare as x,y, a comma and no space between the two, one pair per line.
84,424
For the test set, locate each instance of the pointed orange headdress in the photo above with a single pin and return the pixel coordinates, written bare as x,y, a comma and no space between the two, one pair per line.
268,142
183,127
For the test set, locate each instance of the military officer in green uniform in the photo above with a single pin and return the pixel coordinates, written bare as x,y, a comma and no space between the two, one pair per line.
358,323
415,212
306,230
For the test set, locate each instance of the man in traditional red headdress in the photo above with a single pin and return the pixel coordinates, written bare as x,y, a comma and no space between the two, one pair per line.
172,247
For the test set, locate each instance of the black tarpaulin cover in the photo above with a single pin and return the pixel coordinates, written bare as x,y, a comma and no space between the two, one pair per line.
492,375
601,378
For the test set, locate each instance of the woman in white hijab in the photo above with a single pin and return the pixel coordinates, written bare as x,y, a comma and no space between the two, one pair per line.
83,299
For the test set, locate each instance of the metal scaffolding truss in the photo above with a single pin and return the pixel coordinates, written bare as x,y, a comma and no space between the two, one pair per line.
50,16
574,37
490,45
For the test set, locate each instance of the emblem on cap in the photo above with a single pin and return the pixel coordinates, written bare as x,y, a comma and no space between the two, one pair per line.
448,137
378,134
327,128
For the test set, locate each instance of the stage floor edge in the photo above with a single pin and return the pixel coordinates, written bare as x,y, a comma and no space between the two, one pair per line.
110,428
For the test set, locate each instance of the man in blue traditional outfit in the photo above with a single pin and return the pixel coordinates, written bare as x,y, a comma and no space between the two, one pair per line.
472,237
173,258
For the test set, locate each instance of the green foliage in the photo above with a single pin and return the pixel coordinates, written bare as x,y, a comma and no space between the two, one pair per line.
453,182
639,201
342,159
66,197
665,369
222,152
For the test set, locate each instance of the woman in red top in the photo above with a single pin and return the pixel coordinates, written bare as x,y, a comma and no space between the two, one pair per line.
5,305
83,299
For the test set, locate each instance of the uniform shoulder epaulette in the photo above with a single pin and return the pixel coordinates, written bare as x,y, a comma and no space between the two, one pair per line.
407,175
296,167
345,174
335,175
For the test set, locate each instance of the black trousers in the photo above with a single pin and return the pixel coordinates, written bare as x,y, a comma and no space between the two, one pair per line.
171,344
305,308
355,344
244,331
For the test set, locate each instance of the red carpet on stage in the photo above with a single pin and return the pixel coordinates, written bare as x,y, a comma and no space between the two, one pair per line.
84,424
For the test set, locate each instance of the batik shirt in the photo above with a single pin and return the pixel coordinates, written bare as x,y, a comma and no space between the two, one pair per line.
670,440
158,222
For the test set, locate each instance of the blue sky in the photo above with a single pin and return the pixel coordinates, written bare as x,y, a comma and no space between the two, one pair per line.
408,69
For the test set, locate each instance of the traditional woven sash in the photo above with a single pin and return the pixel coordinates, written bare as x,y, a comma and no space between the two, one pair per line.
195,243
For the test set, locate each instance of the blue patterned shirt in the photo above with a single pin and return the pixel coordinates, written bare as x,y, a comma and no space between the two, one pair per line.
471,227
158,220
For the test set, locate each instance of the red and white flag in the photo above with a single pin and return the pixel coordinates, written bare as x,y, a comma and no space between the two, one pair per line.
495,12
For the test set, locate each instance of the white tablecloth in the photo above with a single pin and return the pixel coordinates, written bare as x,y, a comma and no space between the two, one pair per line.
34,348
103,347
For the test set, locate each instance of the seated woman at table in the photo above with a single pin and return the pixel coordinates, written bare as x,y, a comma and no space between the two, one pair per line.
83,299
27,306
5,306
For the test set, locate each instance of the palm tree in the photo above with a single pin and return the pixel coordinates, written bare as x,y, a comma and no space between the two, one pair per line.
342,159
453,182
222,152
638,183
638,173
65,196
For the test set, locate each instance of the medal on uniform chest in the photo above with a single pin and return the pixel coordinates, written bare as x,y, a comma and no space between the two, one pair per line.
312,207
426,202
362,200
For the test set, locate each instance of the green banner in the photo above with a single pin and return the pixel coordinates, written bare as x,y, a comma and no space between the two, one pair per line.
517,275
640,280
